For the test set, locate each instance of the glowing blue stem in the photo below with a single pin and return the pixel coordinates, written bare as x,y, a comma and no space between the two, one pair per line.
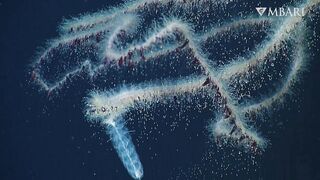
122,142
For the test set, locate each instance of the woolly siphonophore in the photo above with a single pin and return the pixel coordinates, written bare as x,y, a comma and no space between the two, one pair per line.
147,51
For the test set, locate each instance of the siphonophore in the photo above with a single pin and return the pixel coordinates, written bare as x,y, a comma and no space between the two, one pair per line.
123,144
147,52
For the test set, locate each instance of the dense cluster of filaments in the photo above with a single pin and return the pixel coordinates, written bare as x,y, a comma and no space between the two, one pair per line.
170,49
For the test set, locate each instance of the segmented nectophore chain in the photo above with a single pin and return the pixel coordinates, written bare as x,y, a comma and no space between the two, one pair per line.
125,38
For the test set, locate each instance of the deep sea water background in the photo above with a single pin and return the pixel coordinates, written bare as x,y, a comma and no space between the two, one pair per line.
49,139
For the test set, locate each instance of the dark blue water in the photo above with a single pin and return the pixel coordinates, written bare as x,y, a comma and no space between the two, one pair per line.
49,139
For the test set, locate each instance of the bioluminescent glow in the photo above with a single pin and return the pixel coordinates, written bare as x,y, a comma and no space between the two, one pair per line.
150,51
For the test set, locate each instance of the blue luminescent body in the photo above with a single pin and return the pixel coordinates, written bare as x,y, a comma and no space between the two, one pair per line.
122,143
